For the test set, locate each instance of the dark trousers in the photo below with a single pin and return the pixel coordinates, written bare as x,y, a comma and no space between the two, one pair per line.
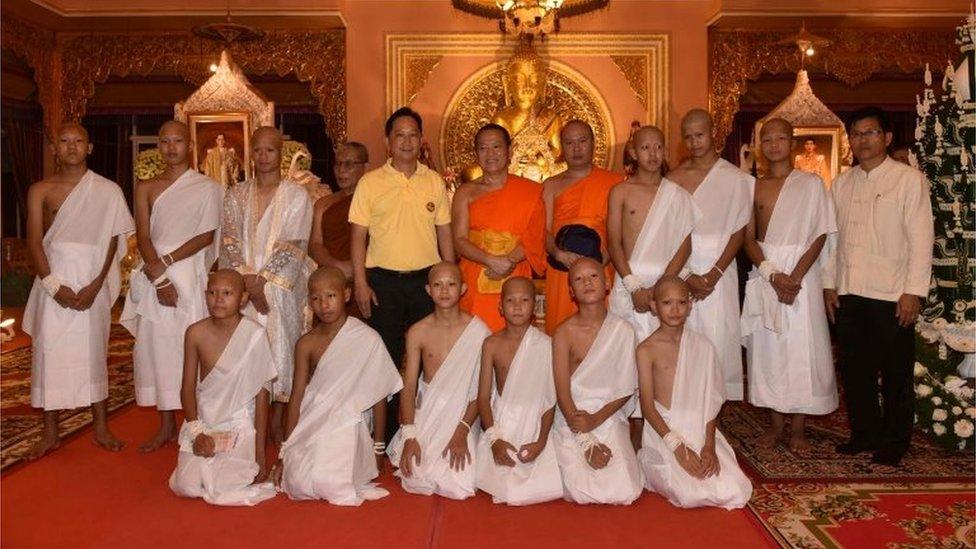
403,301
872,342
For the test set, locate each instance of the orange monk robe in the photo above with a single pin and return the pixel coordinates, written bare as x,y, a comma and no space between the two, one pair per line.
584,203
497,222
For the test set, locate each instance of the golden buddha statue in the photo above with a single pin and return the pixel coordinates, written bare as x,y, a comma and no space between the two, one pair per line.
534,127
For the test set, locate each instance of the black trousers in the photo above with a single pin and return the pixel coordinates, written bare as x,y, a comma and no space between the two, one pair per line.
403,301
872,343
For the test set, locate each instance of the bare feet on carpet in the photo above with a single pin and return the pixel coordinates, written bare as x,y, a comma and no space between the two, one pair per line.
104,438
769,438
46,444
798,439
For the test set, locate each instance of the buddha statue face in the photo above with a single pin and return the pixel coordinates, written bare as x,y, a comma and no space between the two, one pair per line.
525,82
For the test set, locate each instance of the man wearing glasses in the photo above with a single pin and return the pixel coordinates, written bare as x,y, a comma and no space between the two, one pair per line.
874,280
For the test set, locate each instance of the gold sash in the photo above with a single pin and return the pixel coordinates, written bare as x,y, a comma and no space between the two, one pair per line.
495,243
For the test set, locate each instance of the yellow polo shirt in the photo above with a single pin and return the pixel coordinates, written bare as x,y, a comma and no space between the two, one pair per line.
400,214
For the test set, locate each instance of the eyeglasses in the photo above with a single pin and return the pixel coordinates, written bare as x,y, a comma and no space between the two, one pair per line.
867,134
349,164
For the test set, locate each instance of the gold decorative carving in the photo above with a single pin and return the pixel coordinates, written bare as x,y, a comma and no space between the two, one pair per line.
227,90
418,69
637,73
737,56
477,99
76,63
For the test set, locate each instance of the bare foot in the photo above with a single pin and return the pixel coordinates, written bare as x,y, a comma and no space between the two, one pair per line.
44,445
799,442
160,439
107,440
769,437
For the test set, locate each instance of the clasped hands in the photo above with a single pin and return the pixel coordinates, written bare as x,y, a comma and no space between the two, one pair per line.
166,294
786,287
81,300
598,454
498,267
702,286
699,466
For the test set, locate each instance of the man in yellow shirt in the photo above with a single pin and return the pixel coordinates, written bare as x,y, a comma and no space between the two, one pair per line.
403,209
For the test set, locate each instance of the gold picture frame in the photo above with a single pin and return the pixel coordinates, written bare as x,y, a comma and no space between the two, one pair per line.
828,143
235,129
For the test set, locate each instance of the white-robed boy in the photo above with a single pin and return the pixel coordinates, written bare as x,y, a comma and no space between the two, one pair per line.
516,400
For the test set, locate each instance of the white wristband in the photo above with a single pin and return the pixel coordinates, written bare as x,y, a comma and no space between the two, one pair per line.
51,284
767,269
491,434
632,283
672,440
586,441
685,273
194,429
379,448
408,431
163,280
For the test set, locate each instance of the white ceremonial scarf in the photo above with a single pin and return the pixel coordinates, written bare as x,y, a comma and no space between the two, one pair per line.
670,219
697,396
70,347
607,373
329,454
226,403
190,206
790,360
440,406
724,199
529,393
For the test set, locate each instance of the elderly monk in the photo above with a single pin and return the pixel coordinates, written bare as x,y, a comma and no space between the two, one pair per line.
328,244
177,214
265,227
75,220
723,194
498,221
576,197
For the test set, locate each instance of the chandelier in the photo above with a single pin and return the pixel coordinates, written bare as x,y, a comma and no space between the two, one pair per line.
528,18
228,31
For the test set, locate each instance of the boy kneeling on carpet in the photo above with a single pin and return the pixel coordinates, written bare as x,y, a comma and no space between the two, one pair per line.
227,372
684,457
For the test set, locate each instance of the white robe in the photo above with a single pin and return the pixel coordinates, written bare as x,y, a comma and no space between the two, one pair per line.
608,373
529,392
440,406
329,455
791,368
225,403
670,219
724,199
190,206
70,347
274,246
696,398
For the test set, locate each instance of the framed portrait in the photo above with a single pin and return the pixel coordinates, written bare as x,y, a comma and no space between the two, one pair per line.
221,145
818,150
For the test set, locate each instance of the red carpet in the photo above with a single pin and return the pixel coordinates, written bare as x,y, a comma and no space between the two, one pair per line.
81,496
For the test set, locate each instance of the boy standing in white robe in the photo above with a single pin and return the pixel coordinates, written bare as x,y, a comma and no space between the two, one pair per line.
264,236
342,373
723,194
683,456
177,214
784,325
595,376
434,448
76,227
227,370
517,403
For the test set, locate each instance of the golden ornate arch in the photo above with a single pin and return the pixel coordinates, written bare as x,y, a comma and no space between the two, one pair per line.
67,69
737,56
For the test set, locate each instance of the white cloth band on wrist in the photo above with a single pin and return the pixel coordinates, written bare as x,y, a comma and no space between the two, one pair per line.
672,440
408,431
163,280
51,284
194,429
465,423
492,435
721,272
586,441
632,283
767,269
379,448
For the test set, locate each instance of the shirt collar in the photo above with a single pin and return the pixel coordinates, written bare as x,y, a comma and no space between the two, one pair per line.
881,168
422,169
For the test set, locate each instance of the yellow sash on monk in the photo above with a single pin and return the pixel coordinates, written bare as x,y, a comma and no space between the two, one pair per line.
495,243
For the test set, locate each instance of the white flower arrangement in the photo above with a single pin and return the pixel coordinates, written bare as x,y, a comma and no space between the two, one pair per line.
939,429
963,428
923,390
956,411
939,415
943,404
936,400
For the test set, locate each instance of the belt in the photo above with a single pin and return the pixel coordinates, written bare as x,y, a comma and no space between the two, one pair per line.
399,274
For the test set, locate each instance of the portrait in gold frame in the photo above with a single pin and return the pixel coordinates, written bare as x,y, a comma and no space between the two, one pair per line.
235,130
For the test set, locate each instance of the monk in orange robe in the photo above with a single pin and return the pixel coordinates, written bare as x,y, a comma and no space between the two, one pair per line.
577,196
498,222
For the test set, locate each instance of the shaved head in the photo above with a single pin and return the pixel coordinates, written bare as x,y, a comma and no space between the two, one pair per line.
72,127
697,116
670,281
577,123
518,283
356,148
268,132
332,276
774,123
444,266
586,263
174,126
229,275
647,131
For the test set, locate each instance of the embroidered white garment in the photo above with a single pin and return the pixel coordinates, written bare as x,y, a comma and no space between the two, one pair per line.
225,404
70,347
608,373
329,455
440,406
190,206
724,199
791,367
696,399
528,394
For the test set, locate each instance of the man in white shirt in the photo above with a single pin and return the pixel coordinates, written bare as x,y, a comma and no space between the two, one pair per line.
877,273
